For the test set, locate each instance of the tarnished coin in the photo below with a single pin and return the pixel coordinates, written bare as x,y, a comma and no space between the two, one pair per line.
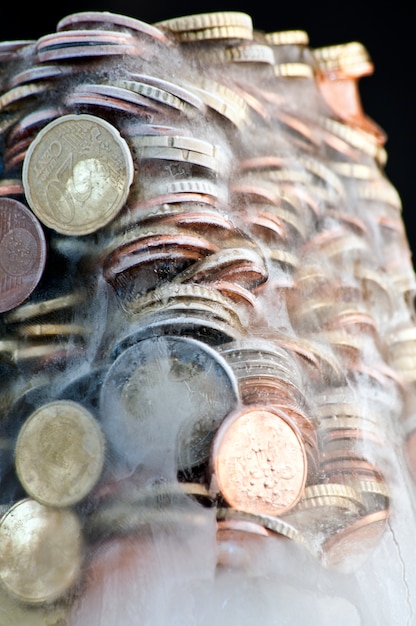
77,174
40,551
163,398
22,253
258,461
15,612
59,453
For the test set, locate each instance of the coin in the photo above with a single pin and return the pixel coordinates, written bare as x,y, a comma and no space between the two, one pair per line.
15,612
162,400
40,551
77,174
22,253
59,453
258,461
202,21
347,550
108,19
287,38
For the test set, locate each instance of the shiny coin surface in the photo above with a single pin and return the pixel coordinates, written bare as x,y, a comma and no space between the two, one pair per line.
59,453
258,461
163,398
40,551
77,174
22,253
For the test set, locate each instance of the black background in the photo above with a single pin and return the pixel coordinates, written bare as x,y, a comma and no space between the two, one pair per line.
387,30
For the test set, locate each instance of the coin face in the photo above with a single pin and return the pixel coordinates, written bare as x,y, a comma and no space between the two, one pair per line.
40,551
59,453
77,174
22,253
163,398
259,461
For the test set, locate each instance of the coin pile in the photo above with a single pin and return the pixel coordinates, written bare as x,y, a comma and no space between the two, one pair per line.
206,293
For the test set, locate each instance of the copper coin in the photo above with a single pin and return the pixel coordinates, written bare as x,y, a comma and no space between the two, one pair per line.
259,462
22,253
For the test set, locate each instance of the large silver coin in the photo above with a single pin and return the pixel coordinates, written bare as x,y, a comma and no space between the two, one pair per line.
163,399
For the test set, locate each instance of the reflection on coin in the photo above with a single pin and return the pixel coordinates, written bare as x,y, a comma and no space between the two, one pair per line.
59,453
22,253
163,398
347,550
15,612
40,551
259,461
77,173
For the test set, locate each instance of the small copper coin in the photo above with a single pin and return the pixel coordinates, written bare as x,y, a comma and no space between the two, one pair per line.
22,253
77,174
259,461
40,551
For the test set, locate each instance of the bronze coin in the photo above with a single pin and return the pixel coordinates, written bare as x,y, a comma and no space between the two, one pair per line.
22,253
258,461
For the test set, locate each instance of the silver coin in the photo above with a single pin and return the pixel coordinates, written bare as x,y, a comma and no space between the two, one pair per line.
163,399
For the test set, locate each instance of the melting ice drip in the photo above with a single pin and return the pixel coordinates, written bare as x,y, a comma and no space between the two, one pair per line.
242,330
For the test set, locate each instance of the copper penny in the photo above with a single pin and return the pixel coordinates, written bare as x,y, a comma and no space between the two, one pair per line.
22,253
259,461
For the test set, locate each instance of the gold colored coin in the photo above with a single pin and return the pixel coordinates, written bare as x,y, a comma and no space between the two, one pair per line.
40,552
77,174
59,453
217,32
207,20
351,59
288,38
293,70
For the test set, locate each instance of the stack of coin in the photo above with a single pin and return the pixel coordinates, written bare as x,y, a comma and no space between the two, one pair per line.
339,69
205,276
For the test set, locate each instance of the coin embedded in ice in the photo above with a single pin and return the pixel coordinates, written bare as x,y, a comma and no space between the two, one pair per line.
40,551
258,461
59,453
163,398
22,253
77,174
